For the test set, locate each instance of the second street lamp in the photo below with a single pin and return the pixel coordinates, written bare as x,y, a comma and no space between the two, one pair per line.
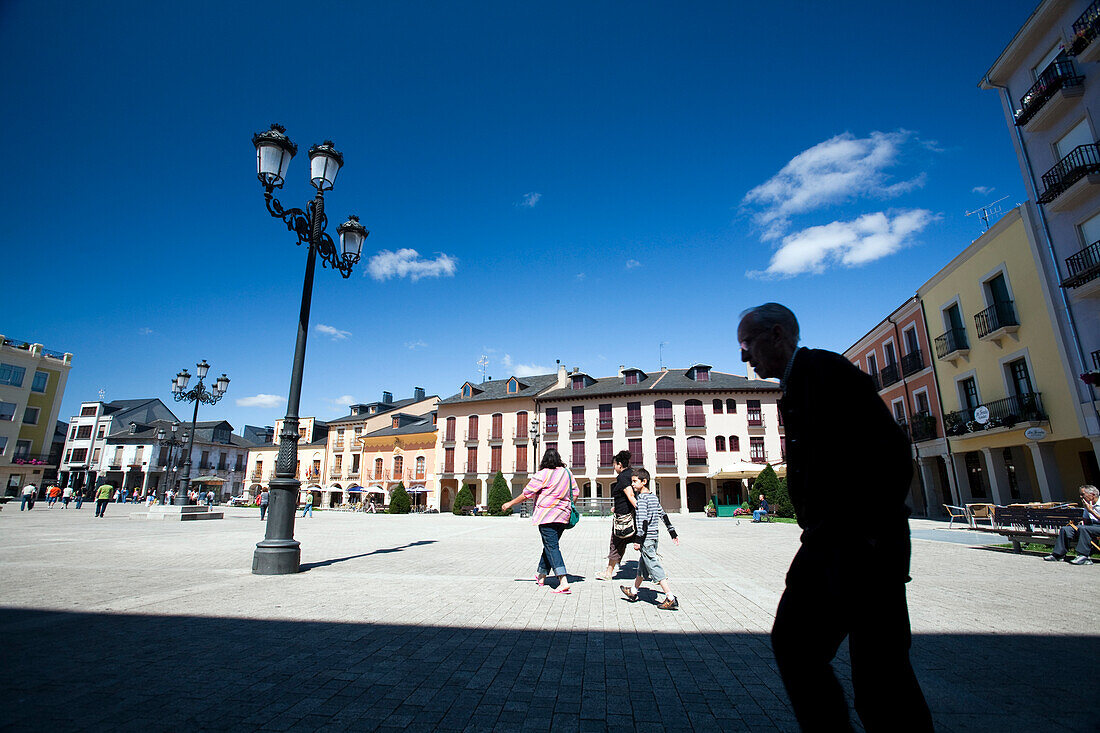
279,553
198,394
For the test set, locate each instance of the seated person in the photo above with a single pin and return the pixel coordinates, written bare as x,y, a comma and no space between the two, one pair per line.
1084,533
759,514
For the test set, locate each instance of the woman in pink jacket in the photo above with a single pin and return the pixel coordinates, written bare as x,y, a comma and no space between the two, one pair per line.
554,489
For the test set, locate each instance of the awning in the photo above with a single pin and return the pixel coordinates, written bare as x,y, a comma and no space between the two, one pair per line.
745,469
208,480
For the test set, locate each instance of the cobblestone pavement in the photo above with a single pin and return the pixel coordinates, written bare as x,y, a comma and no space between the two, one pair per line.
434,623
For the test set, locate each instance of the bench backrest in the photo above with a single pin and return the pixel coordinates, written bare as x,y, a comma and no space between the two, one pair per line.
1029,517
1010,517
1053,518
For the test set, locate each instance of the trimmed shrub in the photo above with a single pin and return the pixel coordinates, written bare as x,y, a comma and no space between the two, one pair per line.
774,490
499,494
464,498
399,500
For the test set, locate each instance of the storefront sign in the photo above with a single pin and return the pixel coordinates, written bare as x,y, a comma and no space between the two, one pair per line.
1035,433
981,415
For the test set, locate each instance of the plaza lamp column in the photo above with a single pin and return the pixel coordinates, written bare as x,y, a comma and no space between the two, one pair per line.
173,444
198,394
279,553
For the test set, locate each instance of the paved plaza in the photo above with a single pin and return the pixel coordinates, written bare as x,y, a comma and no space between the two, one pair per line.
433,622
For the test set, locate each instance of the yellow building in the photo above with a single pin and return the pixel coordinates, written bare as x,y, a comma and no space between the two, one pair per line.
32,383
1012,420
402,453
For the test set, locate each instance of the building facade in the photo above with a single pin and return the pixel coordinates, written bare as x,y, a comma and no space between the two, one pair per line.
403,453
896,354
32,385
1048,78
1005,371
311,463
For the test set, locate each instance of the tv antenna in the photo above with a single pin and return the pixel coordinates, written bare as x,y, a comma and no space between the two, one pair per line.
482,363
661,353
102,394
984,212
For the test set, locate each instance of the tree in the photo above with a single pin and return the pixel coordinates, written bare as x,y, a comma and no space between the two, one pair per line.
499,494
465,498
399,500
774,490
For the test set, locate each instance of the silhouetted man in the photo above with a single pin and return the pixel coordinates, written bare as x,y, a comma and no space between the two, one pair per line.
848,578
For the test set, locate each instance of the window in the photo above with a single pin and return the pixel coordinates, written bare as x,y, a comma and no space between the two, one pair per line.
633,415
953,317
693,414
634,445
513,386
339,437
420,467
578,382
139,454
1079,135
756,417
521,424
7,411
316,469
605,417
203,463
551,419
605,453
498,426
467,390
756,450
899,411
662,414
920,400
997,289
891,357
720,443
30,415
702,374
68,453
630,378
398,467
302,433
1047,60
4,447
84,432
1021,379
95,457
72,432
735,443
471,460
471,428
41,379
968,393
449,460
450,434
12,375
872,364
717,407
378,467
578,454
521,458
912,346
578,419
99,433
240,463
1090,231
355,463
494,458
22,449
80,455
358,431
396,424
974,475
338,462
88,411
666,451
697,451
731,406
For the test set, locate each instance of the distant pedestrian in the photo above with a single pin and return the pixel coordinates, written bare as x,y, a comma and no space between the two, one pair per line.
649,513
66,496
79,494
554,490
103,497
759,513
150,499
264,499
308,508
210,498
27,497
53,494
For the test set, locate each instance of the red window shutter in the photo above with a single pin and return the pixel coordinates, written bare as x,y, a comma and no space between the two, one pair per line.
631,378
494,457
451,428
471,429
521,425
498,426
471,459
449,460
666,451
662,413
605,452
693,414
578,453
634,414
696,449
521,458
634,445
551,419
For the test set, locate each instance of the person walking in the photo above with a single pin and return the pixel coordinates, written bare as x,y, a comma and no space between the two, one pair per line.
66,496
649,564
264,499
103,497
26,501
53,494
622,519
308,508
150,499
554,490
846,580
79,494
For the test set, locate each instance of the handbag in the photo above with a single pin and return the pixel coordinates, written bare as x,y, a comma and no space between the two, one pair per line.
574,515
622,526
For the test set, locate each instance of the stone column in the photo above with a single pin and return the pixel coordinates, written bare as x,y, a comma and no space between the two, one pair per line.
145,483
998,477
1046,471
683,493
957,468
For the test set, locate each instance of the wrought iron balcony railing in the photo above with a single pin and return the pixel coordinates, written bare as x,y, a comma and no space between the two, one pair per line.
664,423
922,427
890,374
1004,413
875,380
633,422
1084,266
912,362
999,315
1083,160
1060,74
605,423
1085,28
953,340
664,459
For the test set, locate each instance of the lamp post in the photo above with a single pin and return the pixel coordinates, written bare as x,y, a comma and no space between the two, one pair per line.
197,394
173,443
279,553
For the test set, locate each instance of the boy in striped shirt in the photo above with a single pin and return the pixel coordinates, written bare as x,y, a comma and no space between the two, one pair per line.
647,515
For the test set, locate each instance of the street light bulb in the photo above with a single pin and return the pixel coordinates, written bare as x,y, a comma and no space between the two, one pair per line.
182,379
274,151
161,434
352,234
324,163
202,367
223,384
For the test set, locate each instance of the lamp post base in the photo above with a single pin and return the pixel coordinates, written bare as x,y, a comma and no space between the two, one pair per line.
276,557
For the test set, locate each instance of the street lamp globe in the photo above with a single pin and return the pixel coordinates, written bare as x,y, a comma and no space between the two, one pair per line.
202,367
182,378
324,163
352,234
222,384
274,151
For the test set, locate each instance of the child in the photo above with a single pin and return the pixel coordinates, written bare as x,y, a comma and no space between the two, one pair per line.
648,512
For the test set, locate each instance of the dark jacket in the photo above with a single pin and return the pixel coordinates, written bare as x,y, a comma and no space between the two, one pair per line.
842,439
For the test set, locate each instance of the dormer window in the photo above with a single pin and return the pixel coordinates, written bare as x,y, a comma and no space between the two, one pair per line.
396,422
702,375
373,410
467,390
578,382
513,386
631,378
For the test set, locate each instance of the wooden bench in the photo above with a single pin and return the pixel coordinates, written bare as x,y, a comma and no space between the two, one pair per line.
1038,525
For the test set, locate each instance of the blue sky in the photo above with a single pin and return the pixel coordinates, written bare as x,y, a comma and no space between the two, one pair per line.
578,181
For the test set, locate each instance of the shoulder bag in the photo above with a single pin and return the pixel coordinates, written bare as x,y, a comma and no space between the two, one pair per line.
574,515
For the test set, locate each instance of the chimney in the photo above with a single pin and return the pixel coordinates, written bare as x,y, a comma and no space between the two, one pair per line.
750,372
576,369
621,367
561,376
418,393
387,398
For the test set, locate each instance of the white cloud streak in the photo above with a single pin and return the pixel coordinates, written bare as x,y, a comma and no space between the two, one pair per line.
836,170
413,345
408,263
982,189
530,200
631,264
845,243
333,332
523,370
261,400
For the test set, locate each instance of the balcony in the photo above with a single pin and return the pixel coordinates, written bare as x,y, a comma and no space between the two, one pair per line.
912,363
664,423
469,468
952,345
519,466
353,473
633,422
606,464
1084,267
997,321
1072,178
695,422
496,436
1005,413
576,426
114,466
449,437
605,424
520,433
664,459
904,427
469,437
576,465
875,381
1085,30
760,458
338,445
890,374
551,428
448,469
756,419
256,475
923,427
697,460
1058,83
334,472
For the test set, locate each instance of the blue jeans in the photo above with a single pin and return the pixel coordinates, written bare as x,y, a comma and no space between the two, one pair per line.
24,502
551,554
308,510
758,515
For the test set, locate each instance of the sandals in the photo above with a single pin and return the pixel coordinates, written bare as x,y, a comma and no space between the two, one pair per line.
540,580
562,590
630,595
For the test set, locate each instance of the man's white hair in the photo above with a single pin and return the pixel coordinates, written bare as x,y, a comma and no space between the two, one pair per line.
1090,490
774,314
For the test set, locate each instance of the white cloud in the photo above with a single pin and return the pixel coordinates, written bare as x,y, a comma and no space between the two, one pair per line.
530,200
580,275
982,189
418,344
523,370
407,263
631,264
261,400
836,170
335,333
507,361
845,243
146,331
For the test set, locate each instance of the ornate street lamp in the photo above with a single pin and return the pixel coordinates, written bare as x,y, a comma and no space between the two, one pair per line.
279,553
198,394
173,442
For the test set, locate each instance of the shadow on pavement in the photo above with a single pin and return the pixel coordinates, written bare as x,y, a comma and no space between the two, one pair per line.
306,566
64,671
